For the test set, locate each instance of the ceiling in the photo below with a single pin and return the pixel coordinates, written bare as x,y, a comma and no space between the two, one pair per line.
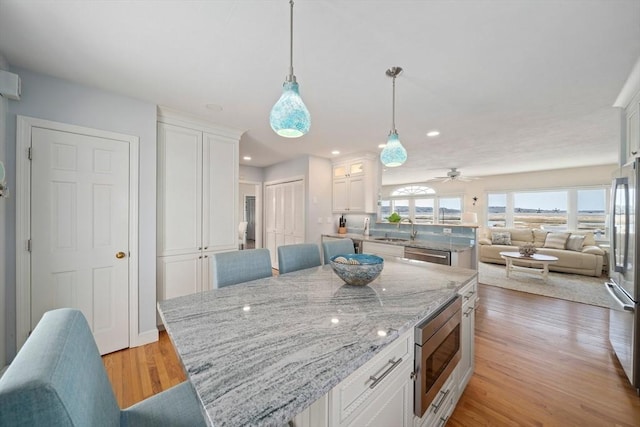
513,86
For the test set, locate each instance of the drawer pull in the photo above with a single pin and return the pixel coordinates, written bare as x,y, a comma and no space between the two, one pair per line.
443,421
468,312
436,407
376,381
467,296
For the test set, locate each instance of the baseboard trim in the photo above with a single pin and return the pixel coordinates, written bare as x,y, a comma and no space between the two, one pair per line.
146,337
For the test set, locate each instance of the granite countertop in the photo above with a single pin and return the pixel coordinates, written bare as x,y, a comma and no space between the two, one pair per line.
261,352
417,243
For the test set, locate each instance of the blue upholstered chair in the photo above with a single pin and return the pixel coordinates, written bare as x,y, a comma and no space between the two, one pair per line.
337,247
58,379
298,257
230,268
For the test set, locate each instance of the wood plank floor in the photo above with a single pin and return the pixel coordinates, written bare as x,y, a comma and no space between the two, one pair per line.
539,362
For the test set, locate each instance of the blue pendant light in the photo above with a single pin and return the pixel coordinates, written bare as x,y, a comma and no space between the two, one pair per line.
393,154
289,116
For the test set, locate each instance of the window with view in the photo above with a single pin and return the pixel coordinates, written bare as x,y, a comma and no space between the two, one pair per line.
419,203
449,210
497,210
592,211
545,210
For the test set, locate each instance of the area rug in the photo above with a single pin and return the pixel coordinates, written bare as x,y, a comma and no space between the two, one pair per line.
572,287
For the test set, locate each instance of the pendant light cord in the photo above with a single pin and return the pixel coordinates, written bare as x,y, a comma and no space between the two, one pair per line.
393,106
291,77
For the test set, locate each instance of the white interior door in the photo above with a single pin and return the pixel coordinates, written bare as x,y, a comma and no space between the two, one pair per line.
80,231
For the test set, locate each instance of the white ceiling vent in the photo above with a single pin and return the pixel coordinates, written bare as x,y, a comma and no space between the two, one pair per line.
10,85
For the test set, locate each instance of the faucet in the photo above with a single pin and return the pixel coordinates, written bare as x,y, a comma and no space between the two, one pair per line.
414,232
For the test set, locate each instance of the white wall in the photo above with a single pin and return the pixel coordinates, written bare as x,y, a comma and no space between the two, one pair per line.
319,199
6,205
251,173
50,98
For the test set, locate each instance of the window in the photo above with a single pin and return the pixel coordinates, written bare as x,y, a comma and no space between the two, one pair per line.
592,205
423,211
413,190
497,210
558,209
545,210
420,204
449,210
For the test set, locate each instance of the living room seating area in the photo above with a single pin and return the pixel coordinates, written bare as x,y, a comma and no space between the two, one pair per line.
576,251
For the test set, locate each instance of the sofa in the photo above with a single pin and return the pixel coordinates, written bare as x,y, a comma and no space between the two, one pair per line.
576,251
58,379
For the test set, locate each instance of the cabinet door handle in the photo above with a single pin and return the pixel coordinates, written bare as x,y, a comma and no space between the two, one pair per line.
467,296
468,312
376,381
436,407
634,152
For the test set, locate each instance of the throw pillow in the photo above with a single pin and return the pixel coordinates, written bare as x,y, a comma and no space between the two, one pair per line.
501,238
575,242
556,240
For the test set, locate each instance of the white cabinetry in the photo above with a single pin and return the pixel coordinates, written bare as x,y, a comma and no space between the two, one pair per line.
355,185
284,216
382,249
378,394
442,406
197,193
629,101
467,334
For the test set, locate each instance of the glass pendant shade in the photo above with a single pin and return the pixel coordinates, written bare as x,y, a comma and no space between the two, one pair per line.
289,116
393,154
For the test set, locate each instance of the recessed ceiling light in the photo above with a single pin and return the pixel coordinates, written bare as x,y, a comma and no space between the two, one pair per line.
335,152
382,145
246,158
433,133
214,107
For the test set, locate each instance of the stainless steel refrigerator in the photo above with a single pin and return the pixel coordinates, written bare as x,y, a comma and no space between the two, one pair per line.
623,285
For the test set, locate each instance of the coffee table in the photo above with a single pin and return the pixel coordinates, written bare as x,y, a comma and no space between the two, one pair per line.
533,261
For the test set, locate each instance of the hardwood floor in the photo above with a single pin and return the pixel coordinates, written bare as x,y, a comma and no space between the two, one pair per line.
539,361
544,361
141,372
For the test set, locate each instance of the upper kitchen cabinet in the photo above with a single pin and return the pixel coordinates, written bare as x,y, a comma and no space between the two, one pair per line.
629,102
197,196
356,183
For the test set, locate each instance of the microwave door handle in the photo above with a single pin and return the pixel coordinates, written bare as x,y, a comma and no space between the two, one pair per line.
610,289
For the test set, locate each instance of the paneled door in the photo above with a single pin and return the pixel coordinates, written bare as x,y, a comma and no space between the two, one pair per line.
80,231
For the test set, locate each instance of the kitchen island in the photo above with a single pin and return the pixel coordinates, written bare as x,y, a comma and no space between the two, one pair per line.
262,352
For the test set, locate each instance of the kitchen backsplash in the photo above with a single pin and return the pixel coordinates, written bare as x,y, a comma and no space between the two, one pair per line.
452,234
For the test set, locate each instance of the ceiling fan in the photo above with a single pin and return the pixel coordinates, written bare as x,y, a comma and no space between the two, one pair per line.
454,175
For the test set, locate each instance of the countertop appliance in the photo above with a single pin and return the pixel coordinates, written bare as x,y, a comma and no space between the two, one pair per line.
624,283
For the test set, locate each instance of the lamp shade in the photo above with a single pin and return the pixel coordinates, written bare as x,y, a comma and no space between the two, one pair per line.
393,154
289,116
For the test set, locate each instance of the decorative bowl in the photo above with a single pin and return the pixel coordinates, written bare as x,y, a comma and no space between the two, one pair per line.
357,269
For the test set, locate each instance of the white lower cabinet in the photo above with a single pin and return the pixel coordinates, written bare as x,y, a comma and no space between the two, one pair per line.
442,406
180,275
466,365
378,394
382,249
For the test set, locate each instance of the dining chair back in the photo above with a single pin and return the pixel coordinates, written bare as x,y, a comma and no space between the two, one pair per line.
230,268
337,247
298,257
58,379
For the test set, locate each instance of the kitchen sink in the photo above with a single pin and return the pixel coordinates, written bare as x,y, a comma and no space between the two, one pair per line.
391,239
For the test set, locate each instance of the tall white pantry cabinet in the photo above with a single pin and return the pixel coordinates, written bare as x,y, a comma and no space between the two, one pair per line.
197,199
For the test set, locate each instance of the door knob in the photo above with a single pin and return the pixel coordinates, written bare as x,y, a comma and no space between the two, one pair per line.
120,255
